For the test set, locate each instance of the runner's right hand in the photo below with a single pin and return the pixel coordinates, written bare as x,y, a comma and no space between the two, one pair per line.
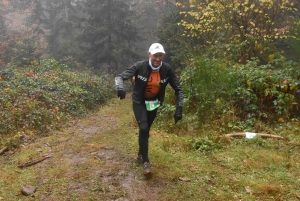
121,94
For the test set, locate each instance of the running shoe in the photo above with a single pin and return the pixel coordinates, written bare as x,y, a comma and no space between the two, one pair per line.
147,169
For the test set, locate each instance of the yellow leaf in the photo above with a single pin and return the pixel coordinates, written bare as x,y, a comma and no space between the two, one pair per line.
271,57
249,82
192,1
218,102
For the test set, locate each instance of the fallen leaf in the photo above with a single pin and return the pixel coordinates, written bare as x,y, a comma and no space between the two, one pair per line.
184,179
248,190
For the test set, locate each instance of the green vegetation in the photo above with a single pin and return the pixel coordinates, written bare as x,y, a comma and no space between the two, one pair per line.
236,98
93,159
236,169
238,30
42,96
238,63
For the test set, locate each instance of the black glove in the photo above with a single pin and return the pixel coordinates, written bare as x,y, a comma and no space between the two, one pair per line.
121,94
178,114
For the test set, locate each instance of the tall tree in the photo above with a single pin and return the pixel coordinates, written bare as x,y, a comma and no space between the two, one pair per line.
108,34
55,19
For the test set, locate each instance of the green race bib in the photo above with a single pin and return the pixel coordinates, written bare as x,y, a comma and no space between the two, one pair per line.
152,105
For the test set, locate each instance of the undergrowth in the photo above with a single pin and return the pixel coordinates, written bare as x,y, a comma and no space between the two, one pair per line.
235,98
198,164
43,95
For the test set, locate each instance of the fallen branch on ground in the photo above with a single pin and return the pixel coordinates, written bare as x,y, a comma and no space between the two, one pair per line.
263,135
33,162
3,150
96,157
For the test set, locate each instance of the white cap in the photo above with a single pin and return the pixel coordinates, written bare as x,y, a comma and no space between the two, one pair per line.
156,48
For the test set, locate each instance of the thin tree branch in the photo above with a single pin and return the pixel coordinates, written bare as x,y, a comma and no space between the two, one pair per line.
263,135
3,150
33,162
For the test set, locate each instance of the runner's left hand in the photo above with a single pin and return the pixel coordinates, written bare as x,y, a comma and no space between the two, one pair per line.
178,114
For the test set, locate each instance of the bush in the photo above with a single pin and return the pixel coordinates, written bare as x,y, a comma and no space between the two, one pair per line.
42,96
206,85
264,91
234,98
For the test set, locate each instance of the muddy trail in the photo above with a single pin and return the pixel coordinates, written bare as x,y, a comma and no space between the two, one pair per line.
92,158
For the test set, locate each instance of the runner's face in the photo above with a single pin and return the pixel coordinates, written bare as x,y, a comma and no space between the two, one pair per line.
156,58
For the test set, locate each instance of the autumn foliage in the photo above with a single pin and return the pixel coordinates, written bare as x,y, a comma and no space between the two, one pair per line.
41,96
245,28
18,32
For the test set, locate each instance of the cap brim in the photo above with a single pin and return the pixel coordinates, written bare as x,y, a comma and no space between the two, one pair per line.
155,52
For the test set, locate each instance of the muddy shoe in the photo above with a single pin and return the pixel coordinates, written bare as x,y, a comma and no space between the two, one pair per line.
139,159
147,169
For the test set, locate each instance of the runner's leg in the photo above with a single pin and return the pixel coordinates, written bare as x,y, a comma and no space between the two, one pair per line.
145,120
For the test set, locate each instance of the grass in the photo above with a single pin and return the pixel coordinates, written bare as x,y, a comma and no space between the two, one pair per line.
246,169
93,159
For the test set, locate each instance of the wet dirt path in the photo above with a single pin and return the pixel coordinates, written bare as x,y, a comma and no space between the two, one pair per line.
92,158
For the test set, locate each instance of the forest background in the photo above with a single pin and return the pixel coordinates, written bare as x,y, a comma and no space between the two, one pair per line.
237,60
238,63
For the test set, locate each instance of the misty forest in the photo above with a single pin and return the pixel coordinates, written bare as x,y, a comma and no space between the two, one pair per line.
238,62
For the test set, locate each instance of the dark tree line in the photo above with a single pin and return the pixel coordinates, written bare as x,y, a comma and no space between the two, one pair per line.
97,33
103,34
108,34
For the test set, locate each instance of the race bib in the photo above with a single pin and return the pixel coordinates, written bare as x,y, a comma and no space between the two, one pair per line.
152,105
